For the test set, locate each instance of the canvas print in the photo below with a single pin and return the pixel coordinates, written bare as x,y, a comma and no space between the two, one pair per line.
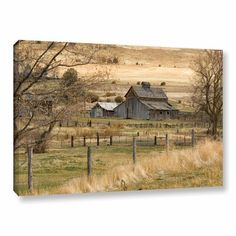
99,118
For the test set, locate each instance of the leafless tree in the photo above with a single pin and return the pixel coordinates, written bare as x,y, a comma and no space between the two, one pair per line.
38,100
208,86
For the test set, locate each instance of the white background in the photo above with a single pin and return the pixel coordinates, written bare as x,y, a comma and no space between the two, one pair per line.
198,24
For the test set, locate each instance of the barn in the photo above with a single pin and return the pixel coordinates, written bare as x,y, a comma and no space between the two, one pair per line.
103,109
145,102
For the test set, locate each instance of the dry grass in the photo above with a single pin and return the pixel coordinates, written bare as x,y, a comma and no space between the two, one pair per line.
201,166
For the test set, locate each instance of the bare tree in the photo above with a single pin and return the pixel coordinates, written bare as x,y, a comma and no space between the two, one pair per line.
38,99
208,85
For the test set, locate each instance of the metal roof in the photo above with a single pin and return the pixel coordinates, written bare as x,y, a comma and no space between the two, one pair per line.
109,106
156,105
148,92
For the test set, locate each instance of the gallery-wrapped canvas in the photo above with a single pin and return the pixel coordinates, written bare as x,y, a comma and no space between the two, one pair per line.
99,118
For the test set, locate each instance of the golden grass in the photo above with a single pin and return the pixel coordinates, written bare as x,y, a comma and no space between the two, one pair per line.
202,165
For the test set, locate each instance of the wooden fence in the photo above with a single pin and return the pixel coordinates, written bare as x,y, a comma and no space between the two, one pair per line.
150,124
177,139
135,141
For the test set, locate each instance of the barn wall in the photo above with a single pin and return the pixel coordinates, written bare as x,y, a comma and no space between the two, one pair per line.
120,111
160,115
134,108
96,112
108,113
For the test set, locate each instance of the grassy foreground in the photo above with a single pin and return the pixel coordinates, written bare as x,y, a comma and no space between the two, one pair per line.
200,167
65,171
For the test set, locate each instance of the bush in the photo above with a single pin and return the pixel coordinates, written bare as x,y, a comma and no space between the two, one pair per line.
113,82
109,94
119,99
138,83
179,101
69,77
93,97
136,63
115,60
109,61
163,83
159,65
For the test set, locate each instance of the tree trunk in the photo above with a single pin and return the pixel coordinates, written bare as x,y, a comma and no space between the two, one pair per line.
41,143
214,127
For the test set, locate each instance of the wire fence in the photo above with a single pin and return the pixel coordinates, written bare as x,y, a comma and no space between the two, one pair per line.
181,139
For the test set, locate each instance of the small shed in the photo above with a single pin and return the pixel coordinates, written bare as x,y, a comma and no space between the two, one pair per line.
103,109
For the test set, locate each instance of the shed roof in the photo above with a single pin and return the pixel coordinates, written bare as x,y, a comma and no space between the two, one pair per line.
157,105
148,92
109,106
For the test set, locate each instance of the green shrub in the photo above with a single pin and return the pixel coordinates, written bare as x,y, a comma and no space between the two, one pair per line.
69,77
119,99
110,94
115,60
93,97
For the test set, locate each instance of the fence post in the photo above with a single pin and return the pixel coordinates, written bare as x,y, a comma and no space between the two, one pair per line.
110,140
72,141
97,139
193,138
30,170
167,143
89,161
134,150
84,141
155,140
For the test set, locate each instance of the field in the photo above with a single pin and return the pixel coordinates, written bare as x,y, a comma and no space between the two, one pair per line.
63,167
170,153
178,81
65,170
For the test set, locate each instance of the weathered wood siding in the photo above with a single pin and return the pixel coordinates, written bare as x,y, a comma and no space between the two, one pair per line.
135,109
132,108
120,111
108,113
160,115
100,112
96,112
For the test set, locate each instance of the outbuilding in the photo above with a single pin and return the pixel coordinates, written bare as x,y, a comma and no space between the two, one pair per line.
103,109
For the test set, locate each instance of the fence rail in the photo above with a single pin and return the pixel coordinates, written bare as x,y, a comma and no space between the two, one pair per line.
150,124
177,139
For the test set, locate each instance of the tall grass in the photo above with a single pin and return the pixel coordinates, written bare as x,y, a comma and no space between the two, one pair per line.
200,166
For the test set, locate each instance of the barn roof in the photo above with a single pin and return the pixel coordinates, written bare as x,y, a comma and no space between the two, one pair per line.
109,106
157,105
148,92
